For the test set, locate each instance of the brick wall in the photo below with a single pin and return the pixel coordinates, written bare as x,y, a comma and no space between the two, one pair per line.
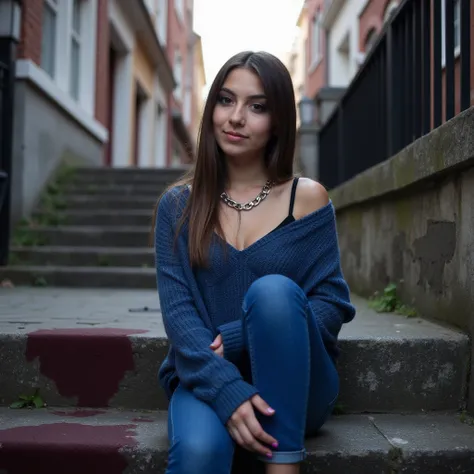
316,73
371,18
30,44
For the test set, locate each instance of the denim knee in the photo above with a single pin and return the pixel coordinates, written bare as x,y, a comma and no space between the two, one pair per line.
200,455
274,296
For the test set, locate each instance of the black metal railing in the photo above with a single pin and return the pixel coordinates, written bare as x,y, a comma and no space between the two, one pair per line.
397,96
3,175
7,82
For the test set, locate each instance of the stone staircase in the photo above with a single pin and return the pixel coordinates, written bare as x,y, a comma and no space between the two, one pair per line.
93,354
102,222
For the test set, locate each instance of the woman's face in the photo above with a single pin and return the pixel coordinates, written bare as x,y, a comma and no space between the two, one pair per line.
242,122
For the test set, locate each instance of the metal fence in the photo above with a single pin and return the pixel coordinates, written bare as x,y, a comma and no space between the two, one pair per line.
397,96
3,82
6,137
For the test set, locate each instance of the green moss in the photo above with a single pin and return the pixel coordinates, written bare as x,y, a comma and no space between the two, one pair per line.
388,302
403,214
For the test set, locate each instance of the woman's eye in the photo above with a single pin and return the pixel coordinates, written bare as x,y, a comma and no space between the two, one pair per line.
259,107
223,100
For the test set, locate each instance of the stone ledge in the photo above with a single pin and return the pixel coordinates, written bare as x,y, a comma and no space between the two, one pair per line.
449,146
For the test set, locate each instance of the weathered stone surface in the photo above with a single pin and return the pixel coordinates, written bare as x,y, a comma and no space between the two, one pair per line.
85,256
387,363
80,277
410,221
92,236
110,217
136,442
106,201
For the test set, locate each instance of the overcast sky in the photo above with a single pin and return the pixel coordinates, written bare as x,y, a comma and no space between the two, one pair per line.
230,26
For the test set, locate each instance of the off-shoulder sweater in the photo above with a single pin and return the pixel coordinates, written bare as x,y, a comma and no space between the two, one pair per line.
199,303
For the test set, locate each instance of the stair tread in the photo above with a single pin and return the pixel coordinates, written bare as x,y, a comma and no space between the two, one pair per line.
87,229
76,269
81,250
404,441
107,306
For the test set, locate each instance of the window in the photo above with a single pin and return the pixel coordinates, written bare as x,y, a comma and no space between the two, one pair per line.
49,35
456,28
457,24
162,20
178,73
68,48
75,64
179,7
316,46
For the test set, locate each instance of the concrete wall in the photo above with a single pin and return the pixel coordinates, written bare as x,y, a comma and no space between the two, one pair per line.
410,221
43,136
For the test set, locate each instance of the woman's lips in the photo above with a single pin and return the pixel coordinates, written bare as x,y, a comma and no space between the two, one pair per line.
234,137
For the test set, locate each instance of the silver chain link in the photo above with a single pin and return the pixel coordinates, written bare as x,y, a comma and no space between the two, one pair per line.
251,204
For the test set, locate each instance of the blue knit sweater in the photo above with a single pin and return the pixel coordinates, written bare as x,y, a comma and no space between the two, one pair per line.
198,304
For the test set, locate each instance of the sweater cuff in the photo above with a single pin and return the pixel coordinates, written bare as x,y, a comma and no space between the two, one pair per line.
232,340
231,397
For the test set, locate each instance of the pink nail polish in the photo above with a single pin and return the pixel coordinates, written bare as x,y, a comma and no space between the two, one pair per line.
275,445
269,455
270,410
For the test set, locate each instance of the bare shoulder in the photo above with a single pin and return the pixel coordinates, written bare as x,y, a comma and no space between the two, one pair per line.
310,196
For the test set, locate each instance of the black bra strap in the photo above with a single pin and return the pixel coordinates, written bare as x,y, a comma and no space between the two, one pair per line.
293,194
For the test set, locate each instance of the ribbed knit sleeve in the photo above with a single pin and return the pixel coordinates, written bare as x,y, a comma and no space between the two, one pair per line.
327,291
211,378
232,339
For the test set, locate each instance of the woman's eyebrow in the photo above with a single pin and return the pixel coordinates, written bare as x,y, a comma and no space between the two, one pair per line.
254,96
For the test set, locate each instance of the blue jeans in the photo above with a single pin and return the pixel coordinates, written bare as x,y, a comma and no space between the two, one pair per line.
290,367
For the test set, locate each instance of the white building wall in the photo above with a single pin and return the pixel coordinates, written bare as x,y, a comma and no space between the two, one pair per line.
343,45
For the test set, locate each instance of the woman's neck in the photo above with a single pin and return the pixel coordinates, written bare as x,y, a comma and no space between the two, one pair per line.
243,174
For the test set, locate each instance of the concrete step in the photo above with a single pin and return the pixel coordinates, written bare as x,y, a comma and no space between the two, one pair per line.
80,276
91,236
64,341
84,256
113,442
129,190
111,217
117,176
102,202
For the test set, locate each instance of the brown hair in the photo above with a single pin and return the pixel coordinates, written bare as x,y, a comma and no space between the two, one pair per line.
208,175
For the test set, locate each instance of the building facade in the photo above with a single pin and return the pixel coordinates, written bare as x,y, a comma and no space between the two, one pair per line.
337,34
104,83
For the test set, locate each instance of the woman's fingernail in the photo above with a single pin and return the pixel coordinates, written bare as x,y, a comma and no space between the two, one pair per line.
270,410
275,445
269,455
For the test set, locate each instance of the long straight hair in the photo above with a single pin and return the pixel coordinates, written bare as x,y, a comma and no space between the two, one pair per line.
208,176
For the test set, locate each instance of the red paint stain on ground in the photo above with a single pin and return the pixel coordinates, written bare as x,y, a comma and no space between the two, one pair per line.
65,448
78,413
84,363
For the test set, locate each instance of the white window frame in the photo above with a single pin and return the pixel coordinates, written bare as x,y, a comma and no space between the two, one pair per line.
85,97
76,38
179,7
162,21
178,73
316,53
54,7
457,38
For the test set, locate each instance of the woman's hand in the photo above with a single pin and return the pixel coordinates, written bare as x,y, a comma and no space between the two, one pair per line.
218,346
245,429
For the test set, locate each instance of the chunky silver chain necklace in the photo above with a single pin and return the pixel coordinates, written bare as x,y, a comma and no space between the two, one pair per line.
251,204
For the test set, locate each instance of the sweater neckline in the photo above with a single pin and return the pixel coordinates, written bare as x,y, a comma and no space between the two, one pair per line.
269,236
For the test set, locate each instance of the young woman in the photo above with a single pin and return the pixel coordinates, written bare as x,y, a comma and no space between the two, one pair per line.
250,284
